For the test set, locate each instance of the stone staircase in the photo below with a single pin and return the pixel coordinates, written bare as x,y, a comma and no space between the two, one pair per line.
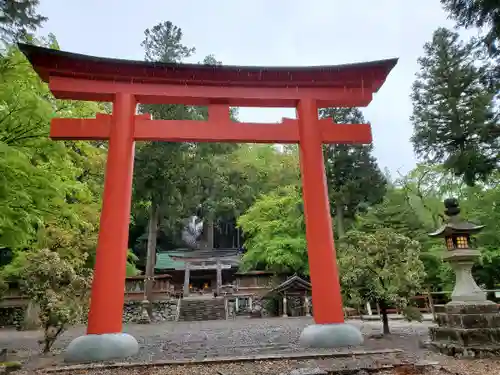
202,308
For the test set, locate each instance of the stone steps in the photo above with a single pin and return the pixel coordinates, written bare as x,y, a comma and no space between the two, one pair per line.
197,309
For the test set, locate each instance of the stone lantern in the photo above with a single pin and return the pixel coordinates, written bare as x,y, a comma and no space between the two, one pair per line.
470,324
460,253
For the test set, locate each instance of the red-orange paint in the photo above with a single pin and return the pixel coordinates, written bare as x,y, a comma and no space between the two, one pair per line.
108,286
217,130
79,77
326,297
236,96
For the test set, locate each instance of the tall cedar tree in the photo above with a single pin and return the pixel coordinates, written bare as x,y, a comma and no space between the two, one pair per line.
484,14
160,167
174,178
354,178
18,18
453,109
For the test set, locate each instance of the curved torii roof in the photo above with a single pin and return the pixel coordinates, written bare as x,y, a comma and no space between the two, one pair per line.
55,63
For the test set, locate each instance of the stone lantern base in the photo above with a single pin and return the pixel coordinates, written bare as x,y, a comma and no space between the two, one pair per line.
468,330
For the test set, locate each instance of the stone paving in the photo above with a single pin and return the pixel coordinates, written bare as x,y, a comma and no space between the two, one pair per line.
189,340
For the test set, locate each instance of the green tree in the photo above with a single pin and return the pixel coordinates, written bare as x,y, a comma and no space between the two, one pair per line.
426,186
249,172
275,233
50,191
18,18
396,213
483,14
480,205
402,212
454,117
354,178
60,289
382,266
163,42
162,182
173,179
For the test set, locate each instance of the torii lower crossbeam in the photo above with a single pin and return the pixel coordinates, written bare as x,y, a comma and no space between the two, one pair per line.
146,129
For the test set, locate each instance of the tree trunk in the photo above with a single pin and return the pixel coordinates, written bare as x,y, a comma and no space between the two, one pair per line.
339,214
151,255
385,318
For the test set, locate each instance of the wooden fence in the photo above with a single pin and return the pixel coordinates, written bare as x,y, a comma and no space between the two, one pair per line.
134,291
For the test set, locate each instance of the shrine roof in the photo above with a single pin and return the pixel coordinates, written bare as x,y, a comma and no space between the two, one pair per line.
49,62
293,283
176,259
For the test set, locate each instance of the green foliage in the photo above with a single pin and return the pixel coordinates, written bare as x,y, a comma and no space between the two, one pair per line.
60,290
454,117
49,191
483,14
174,177
396,213
412,313
216,181
25,195
354,178
403,212
250,171
381,266
18,18
131,269
163,42
11,366
274,232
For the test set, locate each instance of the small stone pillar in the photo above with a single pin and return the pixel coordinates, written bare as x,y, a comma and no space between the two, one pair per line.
307,306
219,276
470,324
369,309
285,315
144,318
187,272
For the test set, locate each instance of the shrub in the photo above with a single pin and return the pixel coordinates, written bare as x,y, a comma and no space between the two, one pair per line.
60,290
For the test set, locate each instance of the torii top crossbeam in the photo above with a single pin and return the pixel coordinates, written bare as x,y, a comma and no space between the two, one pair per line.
81,77
349,85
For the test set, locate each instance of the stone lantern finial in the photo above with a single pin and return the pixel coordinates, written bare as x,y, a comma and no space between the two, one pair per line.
452,208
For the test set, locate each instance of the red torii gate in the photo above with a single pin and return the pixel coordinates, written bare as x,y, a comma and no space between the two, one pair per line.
126,83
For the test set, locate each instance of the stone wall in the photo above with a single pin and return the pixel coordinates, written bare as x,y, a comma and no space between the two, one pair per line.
162,311
11,316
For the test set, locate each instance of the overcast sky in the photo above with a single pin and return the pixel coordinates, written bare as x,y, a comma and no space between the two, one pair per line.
272,32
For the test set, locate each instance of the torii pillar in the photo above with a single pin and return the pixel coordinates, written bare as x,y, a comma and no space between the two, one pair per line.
126,83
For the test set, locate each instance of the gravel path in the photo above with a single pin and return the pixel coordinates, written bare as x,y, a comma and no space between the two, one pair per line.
240,337
243,337
224,338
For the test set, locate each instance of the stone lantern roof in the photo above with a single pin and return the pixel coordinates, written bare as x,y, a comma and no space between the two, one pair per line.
455,224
